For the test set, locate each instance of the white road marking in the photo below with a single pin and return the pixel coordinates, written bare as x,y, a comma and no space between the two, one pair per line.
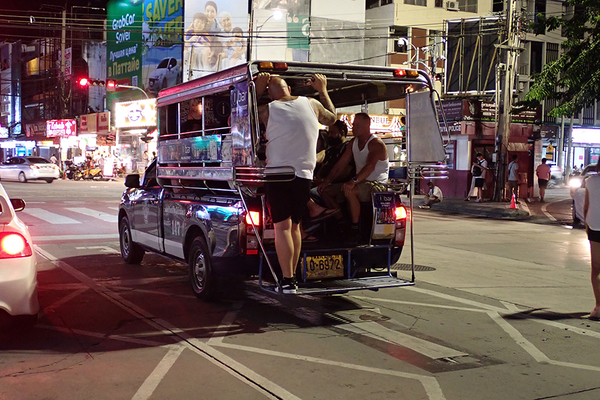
226,323
152,381
50,217
380,332
103,249
519,338
114,208
96,214
65,299
430,384
74,237
71,331
546,213
414,303
244,374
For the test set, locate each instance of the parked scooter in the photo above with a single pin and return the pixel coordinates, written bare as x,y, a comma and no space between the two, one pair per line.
73,171
94,173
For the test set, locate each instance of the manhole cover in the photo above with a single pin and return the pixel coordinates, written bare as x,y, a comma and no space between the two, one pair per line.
407,267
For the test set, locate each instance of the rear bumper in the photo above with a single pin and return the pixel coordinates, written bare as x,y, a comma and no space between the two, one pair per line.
18,286
33,174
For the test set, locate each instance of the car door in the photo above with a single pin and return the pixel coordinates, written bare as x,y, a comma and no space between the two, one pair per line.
172,72
145,204
12,169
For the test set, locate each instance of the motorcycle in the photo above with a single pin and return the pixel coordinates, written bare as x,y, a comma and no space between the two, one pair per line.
73,171
94,173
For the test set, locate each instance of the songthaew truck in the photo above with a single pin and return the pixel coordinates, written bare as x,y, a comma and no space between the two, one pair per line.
202,202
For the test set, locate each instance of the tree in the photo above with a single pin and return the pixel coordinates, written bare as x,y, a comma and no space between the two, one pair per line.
574,79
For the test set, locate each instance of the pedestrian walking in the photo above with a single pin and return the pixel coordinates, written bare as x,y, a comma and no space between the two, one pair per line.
543,174
591,210
513,177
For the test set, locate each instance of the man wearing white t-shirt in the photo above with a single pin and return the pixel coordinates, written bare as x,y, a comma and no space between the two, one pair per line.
433,196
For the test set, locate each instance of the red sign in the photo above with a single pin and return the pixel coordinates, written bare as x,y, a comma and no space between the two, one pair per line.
61,128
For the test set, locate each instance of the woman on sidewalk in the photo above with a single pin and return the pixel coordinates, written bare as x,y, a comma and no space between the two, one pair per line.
591,210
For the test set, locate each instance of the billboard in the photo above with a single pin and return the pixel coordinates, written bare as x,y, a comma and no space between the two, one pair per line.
162,38
124,46
215,36
61,128
135,114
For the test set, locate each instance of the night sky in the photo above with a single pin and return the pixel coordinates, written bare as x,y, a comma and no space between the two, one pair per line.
20,19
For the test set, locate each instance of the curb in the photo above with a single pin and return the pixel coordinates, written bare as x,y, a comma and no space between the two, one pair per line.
496,212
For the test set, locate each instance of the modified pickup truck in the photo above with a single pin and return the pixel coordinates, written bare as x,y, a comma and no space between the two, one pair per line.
202,201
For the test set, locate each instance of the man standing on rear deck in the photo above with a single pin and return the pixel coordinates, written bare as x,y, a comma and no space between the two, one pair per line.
292,129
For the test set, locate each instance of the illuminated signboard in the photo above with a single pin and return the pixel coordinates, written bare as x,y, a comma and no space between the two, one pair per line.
61,128
135,114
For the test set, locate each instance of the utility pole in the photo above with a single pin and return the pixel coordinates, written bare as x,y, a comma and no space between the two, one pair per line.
63,39
511,55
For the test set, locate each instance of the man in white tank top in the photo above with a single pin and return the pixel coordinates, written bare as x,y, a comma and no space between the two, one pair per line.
372,169
292,128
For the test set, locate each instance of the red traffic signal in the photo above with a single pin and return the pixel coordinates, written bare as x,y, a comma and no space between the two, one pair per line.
83,81
111,85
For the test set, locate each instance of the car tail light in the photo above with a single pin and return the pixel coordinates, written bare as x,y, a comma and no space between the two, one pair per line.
400,232
401,212
250,241
14,245
34,167
253,218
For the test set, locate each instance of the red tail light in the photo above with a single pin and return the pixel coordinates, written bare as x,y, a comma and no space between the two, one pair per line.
34,167
401,213
253,218
14,245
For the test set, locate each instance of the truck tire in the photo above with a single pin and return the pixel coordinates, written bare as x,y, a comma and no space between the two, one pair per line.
131,252
201,269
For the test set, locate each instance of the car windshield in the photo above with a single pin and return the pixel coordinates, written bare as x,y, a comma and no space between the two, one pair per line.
37,160
163,63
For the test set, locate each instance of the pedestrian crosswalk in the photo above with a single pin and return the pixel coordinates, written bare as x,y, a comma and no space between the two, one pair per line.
67,215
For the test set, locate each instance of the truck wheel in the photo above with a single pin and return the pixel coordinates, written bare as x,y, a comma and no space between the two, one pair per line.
131,252
201,269
22,177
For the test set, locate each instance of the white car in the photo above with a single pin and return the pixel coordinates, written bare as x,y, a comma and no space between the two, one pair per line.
577,189
165,75
28,168
18,274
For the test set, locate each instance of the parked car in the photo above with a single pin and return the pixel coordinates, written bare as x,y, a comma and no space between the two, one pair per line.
18,275
28,168
577,189
165,75
556,172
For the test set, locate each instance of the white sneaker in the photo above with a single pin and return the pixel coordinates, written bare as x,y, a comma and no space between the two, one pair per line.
287,287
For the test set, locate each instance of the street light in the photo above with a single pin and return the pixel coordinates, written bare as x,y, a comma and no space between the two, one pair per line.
277,14
112,85
404,42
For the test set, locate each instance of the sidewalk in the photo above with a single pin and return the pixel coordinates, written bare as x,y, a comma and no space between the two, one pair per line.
488,209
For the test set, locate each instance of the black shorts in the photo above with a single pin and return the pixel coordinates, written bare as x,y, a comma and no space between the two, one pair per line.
288,199
479,182
543,183
593,236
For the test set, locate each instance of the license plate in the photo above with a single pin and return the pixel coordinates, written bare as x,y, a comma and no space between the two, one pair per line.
319,267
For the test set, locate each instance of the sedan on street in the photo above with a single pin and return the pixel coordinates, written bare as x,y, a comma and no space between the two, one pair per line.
18,274
28,168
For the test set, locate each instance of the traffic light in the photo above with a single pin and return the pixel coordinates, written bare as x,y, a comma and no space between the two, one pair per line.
84,81
111,85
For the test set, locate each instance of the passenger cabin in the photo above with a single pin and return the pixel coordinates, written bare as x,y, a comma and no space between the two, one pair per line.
209,133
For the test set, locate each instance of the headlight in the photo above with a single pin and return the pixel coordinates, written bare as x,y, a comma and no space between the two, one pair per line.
575,183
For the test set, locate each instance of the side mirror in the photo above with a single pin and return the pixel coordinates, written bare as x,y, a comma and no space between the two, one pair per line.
18,204
132,181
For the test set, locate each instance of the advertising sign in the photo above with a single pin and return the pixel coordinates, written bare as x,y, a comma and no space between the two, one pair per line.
162,44
215,36
124,44
135,114
104,122
88,123
61,128
379,123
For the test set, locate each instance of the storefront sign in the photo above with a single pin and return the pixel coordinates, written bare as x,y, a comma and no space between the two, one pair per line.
135,114
104,122
88,123
36,129
61,128
379,123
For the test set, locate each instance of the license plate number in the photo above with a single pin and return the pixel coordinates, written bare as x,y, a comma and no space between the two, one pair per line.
330,266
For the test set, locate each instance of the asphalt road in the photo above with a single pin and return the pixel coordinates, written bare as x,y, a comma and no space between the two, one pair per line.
497,312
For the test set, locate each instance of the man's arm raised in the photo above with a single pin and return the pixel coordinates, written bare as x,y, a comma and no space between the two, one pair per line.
325,109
